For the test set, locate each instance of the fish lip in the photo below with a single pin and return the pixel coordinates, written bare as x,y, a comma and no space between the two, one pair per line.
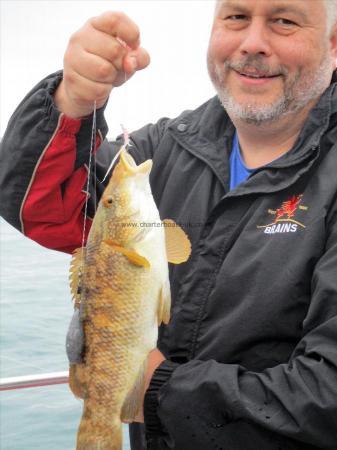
132,168
128,162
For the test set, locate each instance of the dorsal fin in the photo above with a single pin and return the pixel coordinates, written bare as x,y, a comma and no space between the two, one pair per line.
74,275
178,246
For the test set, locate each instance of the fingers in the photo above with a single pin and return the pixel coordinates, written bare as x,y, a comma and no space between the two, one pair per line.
89,40
117,24
92,66
98,69
133,61
136,60
103,54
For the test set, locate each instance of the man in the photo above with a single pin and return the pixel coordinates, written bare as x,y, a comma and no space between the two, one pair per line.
249,359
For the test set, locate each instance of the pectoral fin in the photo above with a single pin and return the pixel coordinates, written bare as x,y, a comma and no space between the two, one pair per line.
178,246
164,304
134,399
132,256
77,380
74,276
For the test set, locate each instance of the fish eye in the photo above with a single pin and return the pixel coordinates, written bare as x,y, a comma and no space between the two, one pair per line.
108,201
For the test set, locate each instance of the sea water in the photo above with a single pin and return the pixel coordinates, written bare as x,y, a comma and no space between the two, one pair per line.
35,312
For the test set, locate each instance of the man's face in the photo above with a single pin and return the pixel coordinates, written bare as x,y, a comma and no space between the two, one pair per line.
267,58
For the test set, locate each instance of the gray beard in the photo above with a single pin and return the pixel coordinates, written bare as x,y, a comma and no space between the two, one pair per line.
297,94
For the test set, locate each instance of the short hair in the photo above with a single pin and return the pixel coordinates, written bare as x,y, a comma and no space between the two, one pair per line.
331,12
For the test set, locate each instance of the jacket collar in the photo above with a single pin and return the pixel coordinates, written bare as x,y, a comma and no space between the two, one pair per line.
207,133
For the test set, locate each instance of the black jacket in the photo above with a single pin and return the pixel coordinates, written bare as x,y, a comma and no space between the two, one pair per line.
252,341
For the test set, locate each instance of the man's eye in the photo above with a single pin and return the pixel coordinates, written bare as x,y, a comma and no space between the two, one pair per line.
285,22
236,17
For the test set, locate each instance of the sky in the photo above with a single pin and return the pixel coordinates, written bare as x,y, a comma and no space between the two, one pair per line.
35,33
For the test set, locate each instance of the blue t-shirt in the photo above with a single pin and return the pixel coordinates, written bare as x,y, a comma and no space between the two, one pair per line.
238,171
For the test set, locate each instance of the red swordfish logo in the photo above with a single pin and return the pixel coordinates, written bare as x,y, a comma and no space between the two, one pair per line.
284,221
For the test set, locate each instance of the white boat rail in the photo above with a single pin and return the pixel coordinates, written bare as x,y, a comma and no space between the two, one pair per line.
29,381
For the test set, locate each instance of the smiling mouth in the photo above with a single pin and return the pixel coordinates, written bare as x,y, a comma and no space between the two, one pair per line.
256,75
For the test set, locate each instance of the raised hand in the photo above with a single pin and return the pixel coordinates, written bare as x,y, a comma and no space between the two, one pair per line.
101,55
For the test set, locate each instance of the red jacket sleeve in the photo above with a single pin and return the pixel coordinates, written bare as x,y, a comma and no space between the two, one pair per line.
51,211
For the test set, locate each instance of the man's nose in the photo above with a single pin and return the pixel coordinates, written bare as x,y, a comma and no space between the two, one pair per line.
256,39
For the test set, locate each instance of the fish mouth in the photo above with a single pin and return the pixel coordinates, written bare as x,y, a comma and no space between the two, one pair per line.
131,167
128,160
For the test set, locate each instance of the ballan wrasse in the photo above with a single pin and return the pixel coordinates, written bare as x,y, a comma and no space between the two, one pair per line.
120,285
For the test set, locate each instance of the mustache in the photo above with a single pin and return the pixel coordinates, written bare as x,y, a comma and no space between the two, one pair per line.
255,64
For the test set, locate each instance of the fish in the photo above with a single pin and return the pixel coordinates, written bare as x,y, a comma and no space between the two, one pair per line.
120,287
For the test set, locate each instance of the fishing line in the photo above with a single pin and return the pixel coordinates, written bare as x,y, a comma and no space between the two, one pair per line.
112,163
124,146
95,185
125,133
92,150
95,175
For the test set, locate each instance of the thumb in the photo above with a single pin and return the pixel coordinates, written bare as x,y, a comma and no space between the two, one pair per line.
136,60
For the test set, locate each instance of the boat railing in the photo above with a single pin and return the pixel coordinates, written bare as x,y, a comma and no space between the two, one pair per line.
29,381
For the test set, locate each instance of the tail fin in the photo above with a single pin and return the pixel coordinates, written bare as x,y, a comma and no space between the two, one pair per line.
96,436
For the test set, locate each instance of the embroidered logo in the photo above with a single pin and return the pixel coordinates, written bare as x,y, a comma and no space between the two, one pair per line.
284,221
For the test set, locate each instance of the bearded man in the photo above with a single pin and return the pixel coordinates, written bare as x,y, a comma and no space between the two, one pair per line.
249,358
